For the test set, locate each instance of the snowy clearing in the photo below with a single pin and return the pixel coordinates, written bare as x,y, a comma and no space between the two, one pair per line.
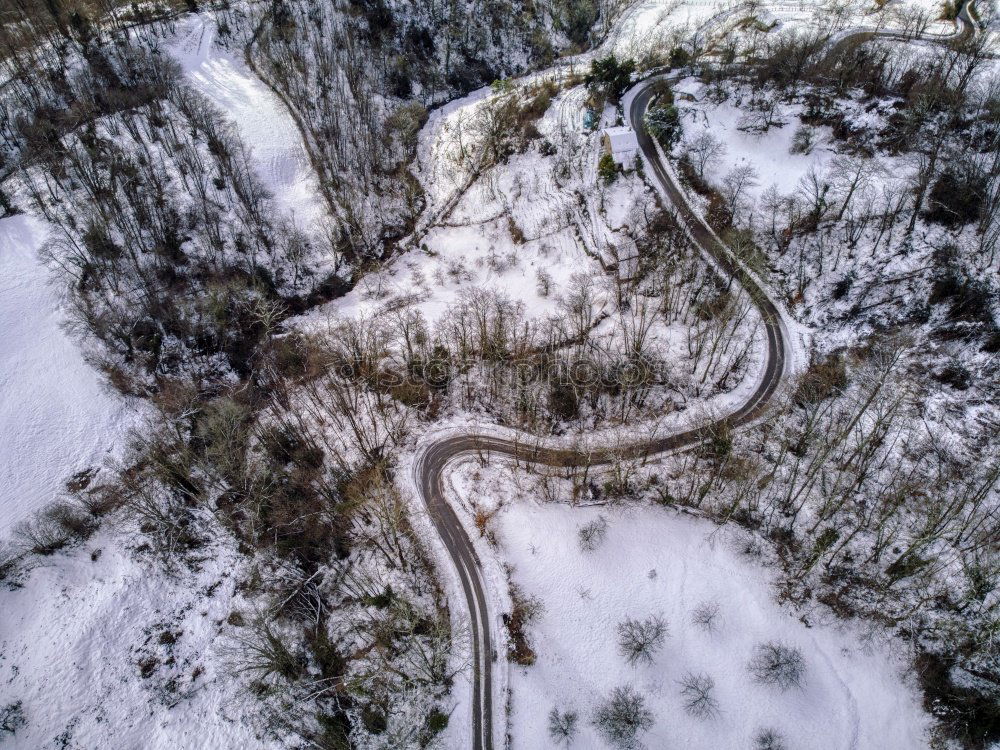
58,415
658,562
261,118
103,650
769,154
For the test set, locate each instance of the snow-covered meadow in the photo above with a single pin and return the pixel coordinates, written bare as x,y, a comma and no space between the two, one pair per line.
57,414
654,561
100,651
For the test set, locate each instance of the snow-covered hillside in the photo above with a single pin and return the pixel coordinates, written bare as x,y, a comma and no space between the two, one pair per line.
261,118
310,314
101,651
57,414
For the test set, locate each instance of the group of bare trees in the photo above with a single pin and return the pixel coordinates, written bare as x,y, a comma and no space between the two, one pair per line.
176,259
360,76
171,248
344,612
484,353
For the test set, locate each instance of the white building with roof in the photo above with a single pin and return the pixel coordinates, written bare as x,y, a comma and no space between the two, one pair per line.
622,144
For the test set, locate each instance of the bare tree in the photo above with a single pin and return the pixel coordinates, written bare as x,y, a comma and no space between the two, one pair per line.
696,692
735,187
592,534
706,616
768,739
639,640
562,726
775,663
623,717
704,150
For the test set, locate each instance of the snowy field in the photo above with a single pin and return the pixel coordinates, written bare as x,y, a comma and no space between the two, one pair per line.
658,562
769,154
102,653
57,415
258,114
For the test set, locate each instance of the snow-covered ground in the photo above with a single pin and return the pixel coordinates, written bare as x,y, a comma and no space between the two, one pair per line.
658,562
104,652
57,414
261,118
768,153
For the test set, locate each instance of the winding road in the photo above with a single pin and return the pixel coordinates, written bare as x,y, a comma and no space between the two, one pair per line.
431,463
429,468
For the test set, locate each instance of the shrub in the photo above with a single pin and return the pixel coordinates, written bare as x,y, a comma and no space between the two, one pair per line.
9,562
577,18
804,140
622,717
524,611
592,534
335,731
12,718
607,168
679,57
262,652
956,198
374,720
706,616
437,721
563,400
768,739
825,378
54,527
774,663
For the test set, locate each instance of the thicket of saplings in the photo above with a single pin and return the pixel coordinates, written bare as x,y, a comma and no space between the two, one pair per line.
875,510
28,24
485,355
344,615
360,75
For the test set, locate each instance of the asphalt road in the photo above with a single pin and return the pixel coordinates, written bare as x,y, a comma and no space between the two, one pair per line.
430,467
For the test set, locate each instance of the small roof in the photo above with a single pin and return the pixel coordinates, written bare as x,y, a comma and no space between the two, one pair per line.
622,138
